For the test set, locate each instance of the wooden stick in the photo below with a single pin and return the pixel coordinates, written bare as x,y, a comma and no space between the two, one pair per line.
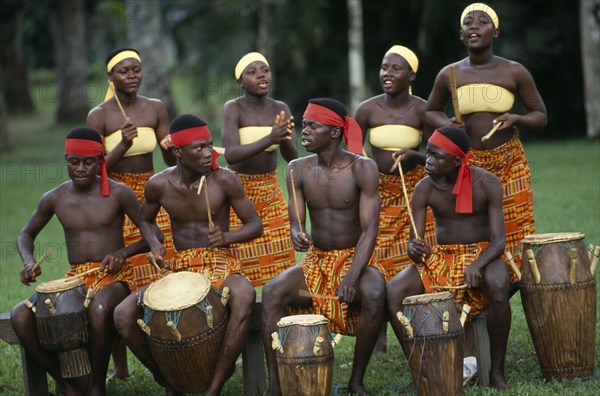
396,163
463,316
468,380
295,200
153,261
491,132
40,261
210,222
118,101
412,220
305,293
454,94
84,273
513,265
450,287
202,180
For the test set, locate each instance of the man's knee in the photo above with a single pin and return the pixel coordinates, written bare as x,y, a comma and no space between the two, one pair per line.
126,314
21,317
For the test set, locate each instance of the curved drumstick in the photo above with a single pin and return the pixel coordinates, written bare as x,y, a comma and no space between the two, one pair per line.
40,261
513,265
84,273
112,85
295,200
153,261
412,220
463,286
210,222
492,131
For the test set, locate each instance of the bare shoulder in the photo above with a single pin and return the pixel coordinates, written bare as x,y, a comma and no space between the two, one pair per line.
57,194
161,178
226,178
303,163
368,104
363,166
154,103
96,114
484,179
280,105
232,106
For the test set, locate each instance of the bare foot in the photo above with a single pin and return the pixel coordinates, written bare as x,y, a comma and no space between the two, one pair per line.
497,381
118,375
358,389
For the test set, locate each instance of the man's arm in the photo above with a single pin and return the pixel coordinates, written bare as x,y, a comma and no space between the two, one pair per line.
297,207
418,250
148,213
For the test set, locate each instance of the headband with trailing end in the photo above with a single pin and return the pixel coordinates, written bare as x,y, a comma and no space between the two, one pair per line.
194,134
92,148
352,131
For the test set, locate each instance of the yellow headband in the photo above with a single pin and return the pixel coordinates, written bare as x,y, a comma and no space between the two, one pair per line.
407,54
246,60
121,56
483,8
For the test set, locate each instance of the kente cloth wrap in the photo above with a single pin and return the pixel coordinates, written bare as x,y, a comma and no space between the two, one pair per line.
216,263
480,7
97,280
391,250
121,56
143,271
268,255
91,148
463,187
324,270
445,267
195,134
352,131
246,60
509,163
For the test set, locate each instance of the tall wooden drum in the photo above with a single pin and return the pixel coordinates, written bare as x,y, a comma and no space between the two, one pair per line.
62,325
433,340
304,353
185,319
558,291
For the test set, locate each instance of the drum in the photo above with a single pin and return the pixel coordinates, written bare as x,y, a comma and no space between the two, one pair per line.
304,353
433,341
558,291
185,319
62,325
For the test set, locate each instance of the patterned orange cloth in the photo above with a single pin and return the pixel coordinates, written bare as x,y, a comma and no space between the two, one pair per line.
509,163
214,263
391,250
265,257
445,267
97,281
143,271
324,270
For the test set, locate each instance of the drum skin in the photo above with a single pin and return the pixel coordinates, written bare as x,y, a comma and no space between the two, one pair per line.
435,357
561,315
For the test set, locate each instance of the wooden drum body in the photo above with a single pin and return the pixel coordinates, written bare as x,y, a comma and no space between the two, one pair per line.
304,353
435,347
62,324
185,320
558,291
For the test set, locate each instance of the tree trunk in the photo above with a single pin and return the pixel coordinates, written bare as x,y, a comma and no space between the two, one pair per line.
146,33
71,61
5,146
590,54
356,65
266,19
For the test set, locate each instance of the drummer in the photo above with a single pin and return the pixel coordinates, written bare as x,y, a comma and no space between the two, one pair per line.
467,205
201,242
91,210
340,189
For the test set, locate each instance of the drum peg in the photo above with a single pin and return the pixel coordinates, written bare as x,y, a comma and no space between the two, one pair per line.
317,346
406,323
463,316
50,306
144,327
513,265
276,344
174,330
225,296
595,260
574,262
88,297
445,319
30,305
336,340
209,316
591,253
534,267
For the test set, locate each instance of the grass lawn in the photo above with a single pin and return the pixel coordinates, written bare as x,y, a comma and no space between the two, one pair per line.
567,198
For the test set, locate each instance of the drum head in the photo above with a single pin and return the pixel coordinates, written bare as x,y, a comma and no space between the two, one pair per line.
59,285
176,291
427,298
543,239
302,320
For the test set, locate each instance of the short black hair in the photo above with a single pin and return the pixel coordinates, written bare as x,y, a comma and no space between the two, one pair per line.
331,104
114,52
457,136
185,121
86,134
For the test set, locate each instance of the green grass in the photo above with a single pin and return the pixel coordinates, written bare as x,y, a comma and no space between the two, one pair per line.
567,198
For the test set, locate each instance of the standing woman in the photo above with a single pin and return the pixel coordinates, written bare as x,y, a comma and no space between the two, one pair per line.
131,126
486,87
396,123
254,126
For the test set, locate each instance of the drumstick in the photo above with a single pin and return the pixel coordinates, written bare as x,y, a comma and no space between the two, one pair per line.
295,200
412,220
450,287
202,179
118,101
210,222
40,261
595,259
84,273
454,94
491,132
306,293
153,261
468,380
513,265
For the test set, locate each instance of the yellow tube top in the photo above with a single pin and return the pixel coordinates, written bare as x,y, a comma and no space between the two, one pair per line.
489,98
144,143
393,137
251,134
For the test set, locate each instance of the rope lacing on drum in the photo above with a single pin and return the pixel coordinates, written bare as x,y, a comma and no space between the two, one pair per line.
440,311
536,249
423,320
35,298
148,312
589,248
203,305
409,312
283,333
173,317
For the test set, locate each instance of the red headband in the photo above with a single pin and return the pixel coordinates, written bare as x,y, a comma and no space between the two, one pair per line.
90,147
191,135
463,188
352,131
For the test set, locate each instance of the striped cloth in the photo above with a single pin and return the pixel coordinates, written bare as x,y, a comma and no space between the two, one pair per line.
143,272
97,281
213,262
324,270
508,162
272,253
445,267
391,250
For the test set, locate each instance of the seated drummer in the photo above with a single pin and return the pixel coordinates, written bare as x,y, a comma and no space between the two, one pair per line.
467,206
340,189
91,210
200,246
